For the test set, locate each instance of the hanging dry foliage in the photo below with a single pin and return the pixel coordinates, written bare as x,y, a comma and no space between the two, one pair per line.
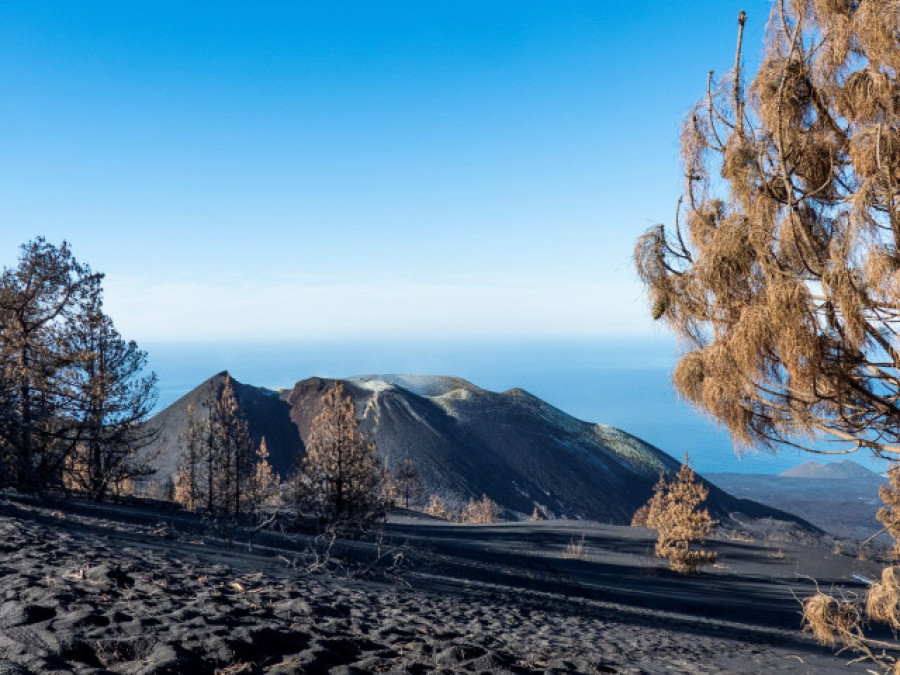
883,599
780,276
842,620
831,621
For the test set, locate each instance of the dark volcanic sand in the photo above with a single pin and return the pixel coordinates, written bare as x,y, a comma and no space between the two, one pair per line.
91,589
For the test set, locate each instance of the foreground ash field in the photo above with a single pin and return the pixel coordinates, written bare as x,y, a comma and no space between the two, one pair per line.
139,588
146,587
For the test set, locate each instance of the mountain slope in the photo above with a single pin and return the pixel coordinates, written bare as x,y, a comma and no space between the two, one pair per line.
266,412
513,447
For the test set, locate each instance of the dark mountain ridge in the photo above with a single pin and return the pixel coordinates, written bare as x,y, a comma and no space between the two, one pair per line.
511,446
267,413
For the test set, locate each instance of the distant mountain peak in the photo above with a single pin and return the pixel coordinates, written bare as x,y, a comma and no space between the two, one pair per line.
428,386
843,468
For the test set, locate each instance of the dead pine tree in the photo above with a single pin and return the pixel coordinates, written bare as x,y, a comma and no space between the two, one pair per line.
39,299
264,488
223,465
340,476
407,482
73,397
234,449
188,477
437,507
109,399
781,275
675,512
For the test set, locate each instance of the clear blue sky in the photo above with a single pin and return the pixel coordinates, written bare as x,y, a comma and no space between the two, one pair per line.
291,169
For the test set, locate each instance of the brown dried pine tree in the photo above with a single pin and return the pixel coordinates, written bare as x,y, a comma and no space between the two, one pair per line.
188,483
781,276
39,298
340,474
782,273
674,512
231,451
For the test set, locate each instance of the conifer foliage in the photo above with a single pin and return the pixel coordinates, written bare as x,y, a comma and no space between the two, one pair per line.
221,471
74,395
340,477
264,488
482,511
782,273
407,484
674,512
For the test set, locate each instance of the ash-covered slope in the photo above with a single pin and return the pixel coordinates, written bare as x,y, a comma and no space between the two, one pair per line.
512,446
266,411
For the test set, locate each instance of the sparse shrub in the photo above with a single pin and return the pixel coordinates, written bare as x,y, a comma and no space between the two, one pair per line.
483,511
686,561
673,511
833,621
575,549
437,507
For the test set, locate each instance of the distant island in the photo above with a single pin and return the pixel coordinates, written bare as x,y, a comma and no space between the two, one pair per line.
839,497
844,468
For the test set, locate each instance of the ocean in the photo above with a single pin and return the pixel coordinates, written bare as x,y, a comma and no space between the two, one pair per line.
621,382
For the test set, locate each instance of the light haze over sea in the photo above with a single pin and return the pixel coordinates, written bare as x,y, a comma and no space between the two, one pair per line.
623,382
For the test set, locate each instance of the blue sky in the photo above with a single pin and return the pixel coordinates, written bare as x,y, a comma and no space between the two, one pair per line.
298,170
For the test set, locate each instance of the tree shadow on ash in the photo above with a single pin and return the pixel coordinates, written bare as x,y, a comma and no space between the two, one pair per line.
621,570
